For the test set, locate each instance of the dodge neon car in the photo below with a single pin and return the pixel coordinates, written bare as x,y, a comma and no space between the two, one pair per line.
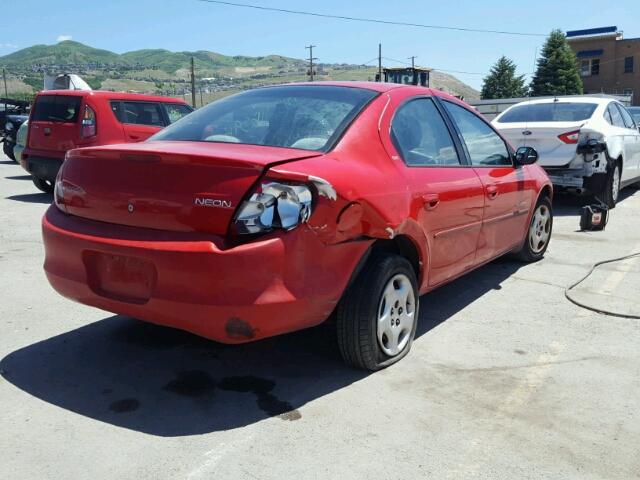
276,209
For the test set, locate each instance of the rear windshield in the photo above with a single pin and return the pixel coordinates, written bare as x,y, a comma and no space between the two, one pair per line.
303,116
549,112
56,108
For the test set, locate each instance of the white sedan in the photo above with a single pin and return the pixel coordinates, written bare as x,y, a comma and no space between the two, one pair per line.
586,144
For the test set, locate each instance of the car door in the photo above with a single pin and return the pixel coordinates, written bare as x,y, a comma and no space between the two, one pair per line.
508,193
631,163
141,120
447,195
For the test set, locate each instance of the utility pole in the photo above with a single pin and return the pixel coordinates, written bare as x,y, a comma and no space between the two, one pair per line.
380,62
201,102
311,59
413,61
4,77
193,84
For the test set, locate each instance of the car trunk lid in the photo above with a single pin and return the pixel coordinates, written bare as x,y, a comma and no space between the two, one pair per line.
545,138
55,123
175,186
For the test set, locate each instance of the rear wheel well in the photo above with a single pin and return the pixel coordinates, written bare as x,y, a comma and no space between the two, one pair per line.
403,246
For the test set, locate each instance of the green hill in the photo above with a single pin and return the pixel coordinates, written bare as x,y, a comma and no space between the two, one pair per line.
70,52
61,53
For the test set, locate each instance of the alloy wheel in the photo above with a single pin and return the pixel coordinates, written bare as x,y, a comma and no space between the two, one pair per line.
396,315
540,229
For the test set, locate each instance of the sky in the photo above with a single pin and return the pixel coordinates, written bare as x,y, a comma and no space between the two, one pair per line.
178,25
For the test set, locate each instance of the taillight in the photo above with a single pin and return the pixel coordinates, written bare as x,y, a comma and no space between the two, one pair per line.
59,193
570,137
274,205
88,122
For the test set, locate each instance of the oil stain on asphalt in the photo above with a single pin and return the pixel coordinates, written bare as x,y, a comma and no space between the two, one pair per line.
196,383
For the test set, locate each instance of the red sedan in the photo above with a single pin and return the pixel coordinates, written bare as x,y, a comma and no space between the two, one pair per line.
274,209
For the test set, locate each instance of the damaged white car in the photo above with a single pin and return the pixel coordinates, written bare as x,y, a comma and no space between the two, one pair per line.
586,144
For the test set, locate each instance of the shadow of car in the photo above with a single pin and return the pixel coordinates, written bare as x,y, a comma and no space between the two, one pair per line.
170,383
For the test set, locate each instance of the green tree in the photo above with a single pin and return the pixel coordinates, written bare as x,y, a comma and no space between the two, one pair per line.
502,81
557,72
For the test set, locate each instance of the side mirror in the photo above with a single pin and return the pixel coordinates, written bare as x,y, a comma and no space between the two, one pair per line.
526,156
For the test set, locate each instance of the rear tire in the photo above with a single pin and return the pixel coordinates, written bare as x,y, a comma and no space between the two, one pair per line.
7,148
538,233
611,191
43,185
377,316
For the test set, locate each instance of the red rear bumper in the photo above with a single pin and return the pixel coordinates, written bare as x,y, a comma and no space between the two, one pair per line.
279,284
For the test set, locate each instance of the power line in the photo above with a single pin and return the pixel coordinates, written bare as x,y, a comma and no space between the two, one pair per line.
371,20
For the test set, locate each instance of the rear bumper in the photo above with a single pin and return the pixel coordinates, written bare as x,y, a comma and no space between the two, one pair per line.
189,281
41,167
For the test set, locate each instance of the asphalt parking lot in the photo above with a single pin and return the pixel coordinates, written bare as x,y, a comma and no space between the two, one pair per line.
506,378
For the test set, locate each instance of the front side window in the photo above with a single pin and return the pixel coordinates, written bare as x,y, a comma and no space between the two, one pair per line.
56,108
421,135
484,145
143,113
307,117
175,111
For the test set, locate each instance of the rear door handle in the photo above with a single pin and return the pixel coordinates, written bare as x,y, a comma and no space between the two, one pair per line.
431,200
134,137
492,191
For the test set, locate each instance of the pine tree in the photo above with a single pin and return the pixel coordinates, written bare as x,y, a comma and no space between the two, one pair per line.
502,81
557,72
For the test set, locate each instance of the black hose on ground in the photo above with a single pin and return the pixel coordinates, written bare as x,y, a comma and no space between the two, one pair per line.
593,309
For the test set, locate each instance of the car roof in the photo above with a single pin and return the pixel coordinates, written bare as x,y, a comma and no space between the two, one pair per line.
113,95
376,86
381,87
597,100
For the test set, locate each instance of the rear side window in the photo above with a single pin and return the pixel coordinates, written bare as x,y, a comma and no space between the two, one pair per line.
141,113
626,117
175,111
118,111
56,108
421,136
484,145
548,112
616,116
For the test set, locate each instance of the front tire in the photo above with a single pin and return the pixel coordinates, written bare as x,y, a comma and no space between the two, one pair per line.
538,233
378,314
43,185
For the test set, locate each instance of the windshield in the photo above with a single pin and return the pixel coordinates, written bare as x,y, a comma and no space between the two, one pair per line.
549,112
304,116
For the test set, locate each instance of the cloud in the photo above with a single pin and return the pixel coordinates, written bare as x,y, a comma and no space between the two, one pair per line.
62,38
8,45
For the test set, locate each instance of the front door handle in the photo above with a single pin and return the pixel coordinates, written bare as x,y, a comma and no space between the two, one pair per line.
492,191
431,200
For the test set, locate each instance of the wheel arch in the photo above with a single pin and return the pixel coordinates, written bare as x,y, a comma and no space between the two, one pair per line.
401,245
